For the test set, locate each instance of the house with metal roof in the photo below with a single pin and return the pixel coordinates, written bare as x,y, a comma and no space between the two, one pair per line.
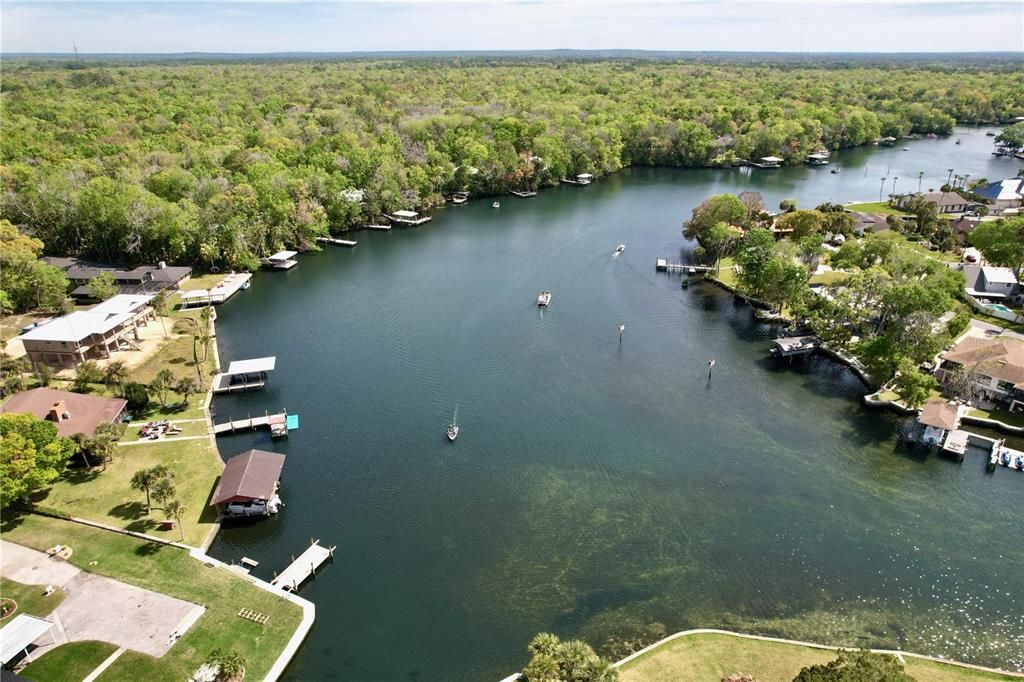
1003,194
82,335
141,279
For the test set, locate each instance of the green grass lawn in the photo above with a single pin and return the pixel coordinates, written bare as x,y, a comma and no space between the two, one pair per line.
171,571
881,207
30,598
106,496
709,658
72,661
829,277
726,274
207,281
1011,418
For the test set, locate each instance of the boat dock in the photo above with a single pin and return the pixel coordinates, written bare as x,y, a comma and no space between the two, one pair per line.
336,241
282,260
790,346
411,218
664,265
1007,457
524,195
279,424
372,226
244,375
228,287
303,568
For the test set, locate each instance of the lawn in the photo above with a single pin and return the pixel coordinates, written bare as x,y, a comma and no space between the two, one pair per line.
171,571
881,207
1010,418
207,281
30,598
726,275
710,657
107,497
72,661
829,277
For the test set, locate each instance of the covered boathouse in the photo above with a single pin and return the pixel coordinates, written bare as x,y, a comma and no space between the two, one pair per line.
248,486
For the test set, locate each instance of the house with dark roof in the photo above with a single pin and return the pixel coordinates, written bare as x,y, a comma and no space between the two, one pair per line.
868,222
988,282
994,369
71,412
142,279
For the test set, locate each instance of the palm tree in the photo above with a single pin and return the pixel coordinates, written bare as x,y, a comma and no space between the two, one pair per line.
881,188
163,491
116,374
230,666
146,479
920,175
159,304
544,643
186,386
175,510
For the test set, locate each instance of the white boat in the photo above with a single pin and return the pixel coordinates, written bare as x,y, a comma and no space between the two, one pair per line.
453,432
496,204
835,170
906,149
246,284
544,298
620,248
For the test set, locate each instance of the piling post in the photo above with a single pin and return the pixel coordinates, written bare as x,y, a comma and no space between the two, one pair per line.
622,328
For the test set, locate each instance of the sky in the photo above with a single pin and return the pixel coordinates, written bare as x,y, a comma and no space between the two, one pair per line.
247,26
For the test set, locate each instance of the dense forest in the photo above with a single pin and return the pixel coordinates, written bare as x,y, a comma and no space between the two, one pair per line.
220,163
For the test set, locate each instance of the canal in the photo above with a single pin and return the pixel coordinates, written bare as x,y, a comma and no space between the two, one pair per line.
601,490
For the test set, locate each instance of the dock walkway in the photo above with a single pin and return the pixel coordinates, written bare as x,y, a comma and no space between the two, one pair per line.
663,265
336,241
303,568
249,424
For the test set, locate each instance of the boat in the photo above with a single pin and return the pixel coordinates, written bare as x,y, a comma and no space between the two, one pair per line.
835,171
906,149
959,141
459,198
620,248
453,428
496,204
246,284
990,134
544,298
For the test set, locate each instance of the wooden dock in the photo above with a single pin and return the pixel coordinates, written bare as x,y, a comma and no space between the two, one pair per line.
336,241
523,195
250,423
376,227
664,265
223,384
303,568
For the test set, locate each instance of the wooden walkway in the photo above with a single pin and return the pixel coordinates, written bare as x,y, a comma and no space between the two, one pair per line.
663,265
249,424
301,569
377,227
336,241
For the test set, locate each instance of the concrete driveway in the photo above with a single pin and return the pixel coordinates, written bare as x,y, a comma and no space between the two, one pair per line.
100,608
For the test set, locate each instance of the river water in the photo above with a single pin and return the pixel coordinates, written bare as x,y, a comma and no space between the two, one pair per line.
602,490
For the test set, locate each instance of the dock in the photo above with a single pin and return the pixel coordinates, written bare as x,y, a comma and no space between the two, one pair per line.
303,568
267,421
228,287
791,346
371,226
410,218
956,443
336,241
244,375
523,195
282,260
664,265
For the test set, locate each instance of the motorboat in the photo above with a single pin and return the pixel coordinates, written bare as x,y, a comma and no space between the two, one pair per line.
246,284
544,298
835,171
453,431
959,141
906,149
496,204
620,248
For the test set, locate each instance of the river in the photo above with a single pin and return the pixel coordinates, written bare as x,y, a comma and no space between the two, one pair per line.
601,490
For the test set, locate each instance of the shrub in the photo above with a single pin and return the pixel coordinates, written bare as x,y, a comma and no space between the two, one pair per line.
137,397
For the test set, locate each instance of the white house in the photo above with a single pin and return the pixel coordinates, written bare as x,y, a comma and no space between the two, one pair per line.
1003,194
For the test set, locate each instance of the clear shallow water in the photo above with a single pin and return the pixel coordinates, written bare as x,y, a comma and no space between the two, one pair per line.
600,490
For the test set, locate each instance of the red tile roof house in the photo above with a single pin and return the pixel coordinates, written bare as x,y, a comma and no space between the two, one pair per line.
71,412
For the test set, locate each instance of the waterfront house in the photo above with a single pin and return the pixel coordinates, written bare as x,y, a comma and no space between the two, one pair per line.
82,335
142,279
993,368
249,484
868,222
939,417
1004,194
945,202
71,412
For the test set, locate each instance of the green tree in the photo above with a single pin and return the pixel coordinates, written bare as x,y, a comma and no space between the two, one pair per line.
959,323
163,490
87,373
185,387
162,384
913,385
44,375
116,374
229,665
856,666
721,208
103,443
717,242
147,480
160,308
1001,242
102,286
32,455
137,397
1012,136
753,253
173,509
802,222
553,660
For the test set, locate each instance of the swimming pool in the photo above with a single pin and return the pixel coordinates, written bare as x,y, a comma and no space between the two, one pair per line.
998,306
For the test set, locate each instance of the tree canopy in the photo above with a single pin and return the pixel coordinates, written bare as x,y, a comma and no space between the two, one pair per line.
221,163
31,455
